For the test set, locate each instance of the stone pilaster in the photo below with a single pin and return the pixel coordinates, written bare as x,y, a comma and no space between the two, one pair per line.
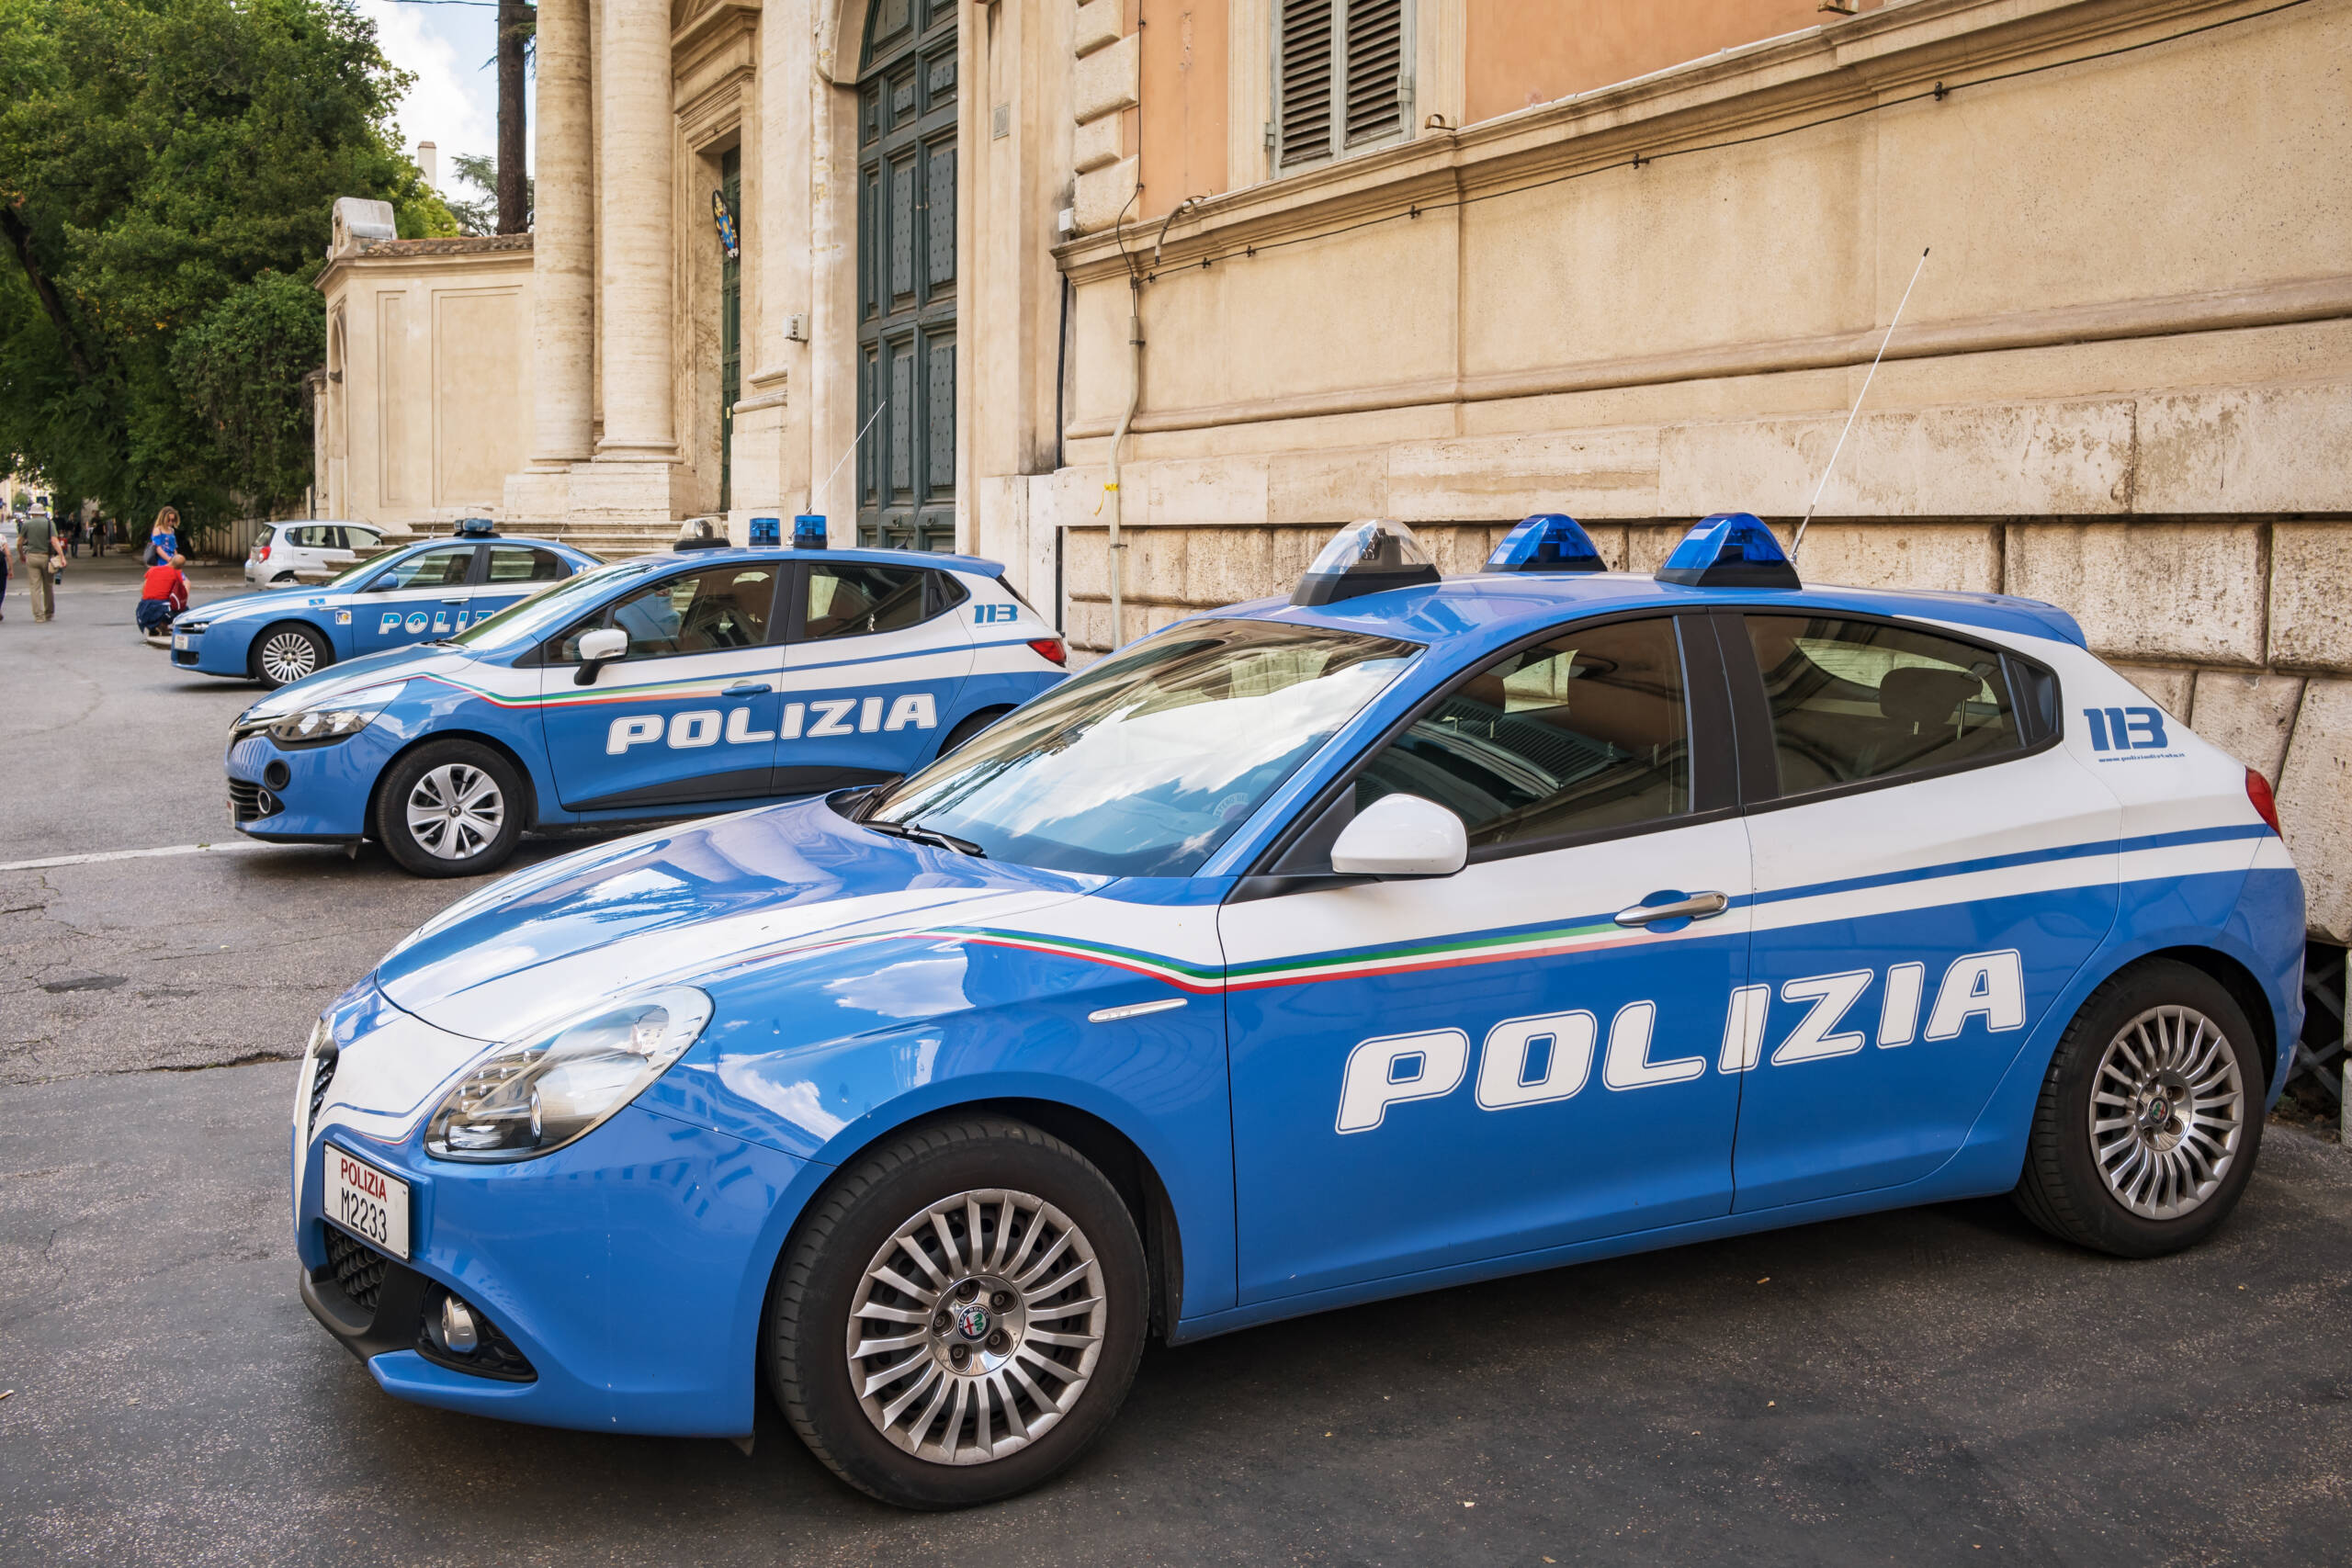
563,279
634,224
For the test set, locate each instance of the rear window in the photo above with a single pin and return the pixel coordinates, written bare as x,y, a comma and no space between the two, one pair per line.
1852,701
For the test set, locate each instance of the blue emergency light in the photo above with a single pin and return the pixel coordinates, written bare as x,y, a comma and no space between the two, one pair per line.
1730,550
765,531
475,528
808,532
1549,541
1365,558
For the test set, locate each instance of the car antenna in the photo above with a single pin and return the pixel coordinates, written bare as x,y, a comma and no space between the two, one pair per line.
1798,542
826,488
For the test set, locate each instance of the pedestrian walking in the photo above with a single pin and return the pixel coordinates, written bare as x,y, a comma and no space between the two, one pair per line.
3,578
37,548
164,538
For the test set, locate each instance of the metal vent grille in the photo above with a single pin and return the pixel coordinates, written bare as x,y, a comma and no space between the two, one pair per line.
322,1076
1376,106
358,1268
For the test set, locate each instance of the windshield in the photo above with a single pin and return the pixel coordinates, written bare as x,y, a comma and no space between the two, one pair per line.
1145,764
527,620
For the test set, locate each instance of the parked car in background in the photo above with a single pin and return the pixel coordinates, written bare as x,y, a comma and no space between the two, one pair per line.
282,551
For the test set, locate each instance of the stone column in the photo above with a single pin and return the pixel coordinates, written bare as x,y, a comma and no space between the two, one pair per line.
563,245
635,223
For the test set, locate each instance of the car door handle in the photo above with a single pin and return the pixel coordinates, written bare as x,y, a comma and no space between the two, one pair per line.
459,599
1697,906
747,689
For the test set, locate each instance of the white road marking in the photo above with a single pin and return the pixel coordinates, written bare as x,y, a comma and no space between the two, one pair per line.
238,846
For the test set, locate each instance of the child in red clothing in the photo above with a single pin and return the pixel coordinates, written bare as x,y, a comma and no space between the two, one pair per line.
163,593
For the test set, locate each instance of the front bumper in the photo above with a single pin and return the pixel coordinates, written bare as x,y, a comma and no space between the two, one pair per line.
626,1272
307,794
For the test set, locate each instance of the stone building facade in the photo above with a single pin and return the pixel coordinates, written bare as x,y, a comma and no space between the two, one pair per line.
1279,264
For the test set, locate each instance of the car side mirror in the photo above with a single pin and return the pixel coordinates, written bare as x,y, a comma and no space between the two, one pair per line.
1402,835
598,649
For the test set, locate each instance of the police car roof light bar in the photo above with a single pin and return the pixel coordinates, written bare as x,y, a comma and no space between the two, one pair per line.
809,532
475,528
1730,550
1365,558
1547,542
1797,544
765,531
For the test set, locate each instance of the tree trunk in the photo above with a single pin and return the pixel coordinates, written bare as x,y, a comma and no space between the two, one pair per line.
514,27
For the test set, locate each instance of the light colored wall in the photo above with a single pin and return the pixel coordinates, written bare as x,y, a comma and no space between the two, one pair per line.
432,339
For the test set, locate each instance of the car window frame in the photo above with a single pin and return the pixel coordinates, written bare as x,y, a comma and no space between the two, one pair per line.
473,567
1708,712
1760,768
528,585
546,653
797,631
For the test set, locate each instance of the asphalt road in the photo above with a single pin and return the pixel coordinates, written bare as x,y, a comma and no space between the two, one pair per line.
1938,1385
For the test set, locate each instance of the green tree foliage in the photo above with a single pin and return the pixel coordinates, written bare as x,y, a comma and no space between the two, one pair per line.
167,169
479,215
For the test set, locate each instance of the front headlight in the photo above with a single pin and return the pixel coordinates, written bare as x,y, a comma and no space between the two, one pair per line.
191,628
334,720
524,1100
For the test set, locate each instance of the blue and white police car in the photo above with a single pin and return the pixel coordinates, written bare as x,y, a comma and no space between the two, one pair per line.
430,590
1408,933
668,685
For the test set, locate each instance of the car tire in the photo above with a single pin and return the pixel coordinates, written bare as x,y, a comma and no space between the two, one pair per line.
283,580
415,821
969,725
1048,1349
2167,1058
287,652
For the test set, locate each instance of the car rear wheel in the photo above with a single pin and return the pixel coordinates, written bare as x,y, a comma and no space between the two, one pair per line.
969,725
2150,1116
959,1316
285,653
450,809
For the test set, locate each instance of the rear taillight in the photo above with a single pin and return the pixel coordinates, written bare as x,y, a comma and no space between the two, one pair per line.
2257,790
261,552
1051,648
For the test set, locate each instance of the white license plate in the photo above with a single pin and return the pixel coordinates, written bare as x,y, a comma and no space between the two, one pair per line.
370,1203
179,642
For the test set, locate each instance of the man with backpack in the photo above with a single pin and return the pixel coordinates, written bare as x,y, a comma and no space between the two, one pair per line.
36,545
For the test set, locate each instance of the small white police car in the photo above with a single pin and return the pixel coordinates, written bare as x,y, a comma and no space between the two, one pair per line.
1405,932
664,687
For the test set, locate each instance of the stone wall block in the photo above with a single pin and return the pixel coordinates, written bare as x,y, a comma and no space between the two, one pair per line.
1100,142
1212,492
1327,486
1090,625
1154,565
1648,545
1604,473
2187,593
2250,716
1294,550
1951,557
2171,690
2247,449
1098,25
2312,788
1225,566
1083,553
2311,596
1106,80
1103,195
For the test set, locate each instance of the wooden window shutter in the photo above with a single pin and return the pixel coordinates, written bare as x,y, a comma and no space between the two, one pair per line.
1374,105
1302,81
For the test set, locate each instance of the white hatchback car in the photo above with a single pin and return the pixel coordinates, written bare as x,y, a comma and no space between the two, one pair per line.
284,551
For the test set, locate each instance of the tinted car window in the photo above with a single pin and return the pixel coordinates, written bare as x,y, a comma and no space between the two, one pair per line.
1857,700
1587,731
696,611
444,567
525,563
853,598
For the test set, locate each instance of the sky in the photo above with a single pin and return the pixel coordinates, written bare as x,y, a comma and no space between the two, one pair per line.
449,48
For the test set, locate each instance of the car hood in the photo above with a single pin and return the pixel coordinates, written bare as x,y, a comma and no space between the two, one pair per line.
680,905
353,674
251,606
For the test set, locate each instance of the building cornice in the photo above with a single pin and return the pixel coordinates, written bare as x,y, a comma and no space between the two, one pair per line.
1845,66
447,252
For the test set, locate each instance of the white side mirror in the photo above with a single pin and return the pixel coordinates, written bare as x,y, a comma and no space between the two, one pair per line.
1402,835
603,644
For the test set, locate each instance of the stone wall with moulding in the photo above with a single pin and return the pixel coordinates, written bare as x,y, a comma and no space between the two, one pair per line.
1106,80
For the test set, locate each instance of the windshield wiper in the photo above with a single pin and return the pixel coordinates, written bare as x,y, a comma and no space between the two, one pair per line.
933,836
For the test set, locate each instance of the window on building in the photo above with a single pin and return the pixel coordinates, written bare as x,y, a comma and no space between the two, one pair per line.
1340,77
1859,700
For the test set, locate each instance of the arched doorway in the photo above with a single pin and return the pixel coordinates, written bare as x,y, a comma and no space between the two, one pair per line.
906,276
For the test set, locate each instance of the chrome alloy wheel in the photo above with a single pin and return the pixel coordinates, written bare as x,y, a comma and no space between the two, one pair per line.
2167,1110
455,811
976,1326
287,657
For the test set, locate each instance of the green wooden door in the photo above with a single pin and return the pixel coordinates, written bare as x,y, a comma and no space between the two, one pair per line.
906,276
730,327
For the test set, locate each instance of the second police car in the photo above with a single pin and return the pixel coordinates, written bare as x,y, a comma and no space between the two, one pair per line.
427,591
667,686
1408,933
